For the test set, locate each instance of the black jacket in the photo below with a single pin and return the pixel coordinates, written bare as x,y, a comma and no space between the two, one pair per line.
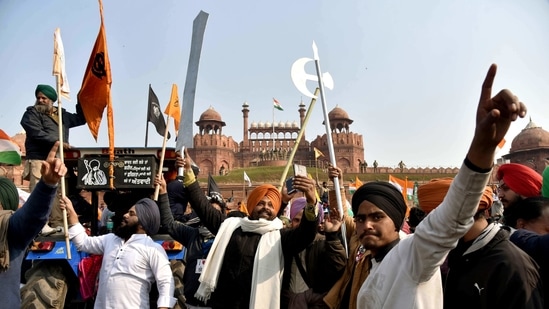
42,131
537,246
235,277
192,240
498,275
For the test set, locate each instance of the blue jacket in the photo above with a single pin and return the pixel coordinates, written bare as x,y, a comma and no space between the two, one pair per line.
537,246
24,225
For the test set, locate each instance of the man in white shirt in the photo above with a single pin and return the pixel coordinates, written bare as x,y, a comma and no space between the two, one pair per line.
132,261
405,272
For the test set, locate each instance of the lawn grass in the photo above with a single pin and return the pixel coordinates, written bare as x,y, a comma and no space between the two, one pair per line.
272,174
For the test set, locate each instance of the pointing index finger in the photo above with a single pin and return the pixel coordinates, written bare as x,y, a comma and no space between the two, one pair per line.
53,151
486,92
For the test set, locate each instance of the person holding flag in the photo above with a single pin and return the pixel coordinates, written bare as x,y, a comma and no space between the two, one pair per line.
40,122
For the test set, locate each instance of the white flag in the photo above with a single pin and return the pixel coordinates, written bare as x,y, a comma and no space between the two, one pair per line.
59,63
247,179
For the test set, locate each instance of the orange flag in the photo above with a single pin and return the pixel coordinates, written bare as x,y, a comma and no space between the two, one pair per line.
95,93
358,183
173,109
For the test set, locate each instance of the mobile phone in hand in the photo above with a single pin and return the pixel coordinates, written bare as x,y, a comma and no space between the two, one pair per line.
300,170
290,186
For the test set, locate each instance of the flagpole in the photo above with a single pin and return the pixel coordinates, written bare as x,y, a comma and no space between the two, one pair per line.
61,156
329,140
57,71
147,125
273,128
316,168
161,165
297,141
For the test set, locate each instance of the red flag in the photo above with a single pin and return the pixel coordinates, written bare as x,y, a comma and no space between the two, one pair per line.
173,109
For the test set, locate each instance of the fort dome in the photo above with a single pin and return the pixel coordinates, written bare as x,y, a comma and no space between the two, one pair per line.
531,137
338,114
210,115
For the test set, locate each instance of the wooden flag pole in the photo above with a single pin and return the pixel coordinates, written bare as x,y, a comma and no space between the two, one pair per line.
61,156
297,140
161,166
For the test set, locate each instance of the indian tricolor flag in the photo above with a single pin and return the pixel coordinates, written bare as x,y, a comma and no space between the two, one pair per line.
404,186
9,151
277,105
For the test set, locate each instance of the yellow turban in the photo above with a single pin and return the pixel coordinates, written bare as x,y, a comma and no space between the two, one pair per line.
431,194
260,192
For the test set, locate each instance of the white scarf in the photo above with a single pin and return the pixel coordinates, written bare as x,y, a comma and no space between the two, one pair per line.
268,261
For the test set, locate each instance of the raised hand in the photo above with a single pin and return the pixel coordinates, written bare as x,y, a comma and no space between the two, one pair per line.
53,168
332,221
160,181
493,119
307,186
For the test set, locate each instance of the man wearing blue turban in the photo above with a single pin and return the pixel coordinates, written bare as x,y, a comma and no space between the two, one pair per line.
132,261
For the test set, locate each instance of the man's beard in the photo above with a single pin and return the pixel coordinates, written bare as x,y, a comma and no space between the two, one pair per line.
43,109
126,231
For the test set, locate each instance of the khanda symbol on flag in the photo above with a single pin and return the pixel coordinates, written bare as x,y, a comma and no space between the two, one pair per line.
300,76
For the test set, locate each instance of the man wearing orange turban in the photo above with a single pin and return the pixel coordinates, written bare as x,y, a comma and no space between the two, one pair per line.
479,258
517,182
245,263
431,194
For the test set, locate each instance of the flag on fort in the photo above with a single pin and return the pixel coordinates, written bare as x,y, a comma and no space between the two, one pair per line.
277,105
247,179
154,114
95,93
403,186
174,109
9,151
59,64
318,153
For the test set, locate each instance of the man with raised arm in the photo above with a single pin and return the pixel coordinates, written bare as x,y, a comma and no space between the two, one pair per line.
405,272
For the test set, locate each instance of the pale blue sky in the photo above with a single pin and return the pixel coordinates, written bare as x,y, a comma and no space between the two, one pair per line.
407,72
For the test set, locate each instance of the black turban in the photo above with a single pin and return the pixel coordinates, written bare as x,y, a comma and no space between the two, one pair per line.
9,197
385,196
46,90
148,215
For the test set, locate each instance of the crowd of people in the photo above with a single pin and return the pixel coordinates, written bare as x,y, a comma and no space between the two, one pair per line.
449,252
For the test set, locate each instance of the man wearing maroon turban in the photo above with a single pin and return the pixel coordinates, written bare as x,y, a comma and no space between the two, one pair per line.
244,266
517,182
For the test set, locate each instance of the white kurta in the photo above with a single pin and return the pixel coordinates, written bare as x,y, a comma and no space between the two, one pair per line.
128,270
409,275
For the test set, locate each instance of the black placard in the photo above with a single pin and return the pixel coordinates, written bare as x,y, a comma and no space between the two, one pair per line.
129,172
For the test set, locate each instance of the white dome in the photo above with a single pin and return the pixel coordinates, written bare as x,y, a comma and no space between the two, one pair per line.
254,124
261,124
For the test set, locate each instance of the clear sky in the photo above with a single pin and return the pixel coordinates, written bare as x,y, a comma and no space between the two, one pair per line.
407,72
